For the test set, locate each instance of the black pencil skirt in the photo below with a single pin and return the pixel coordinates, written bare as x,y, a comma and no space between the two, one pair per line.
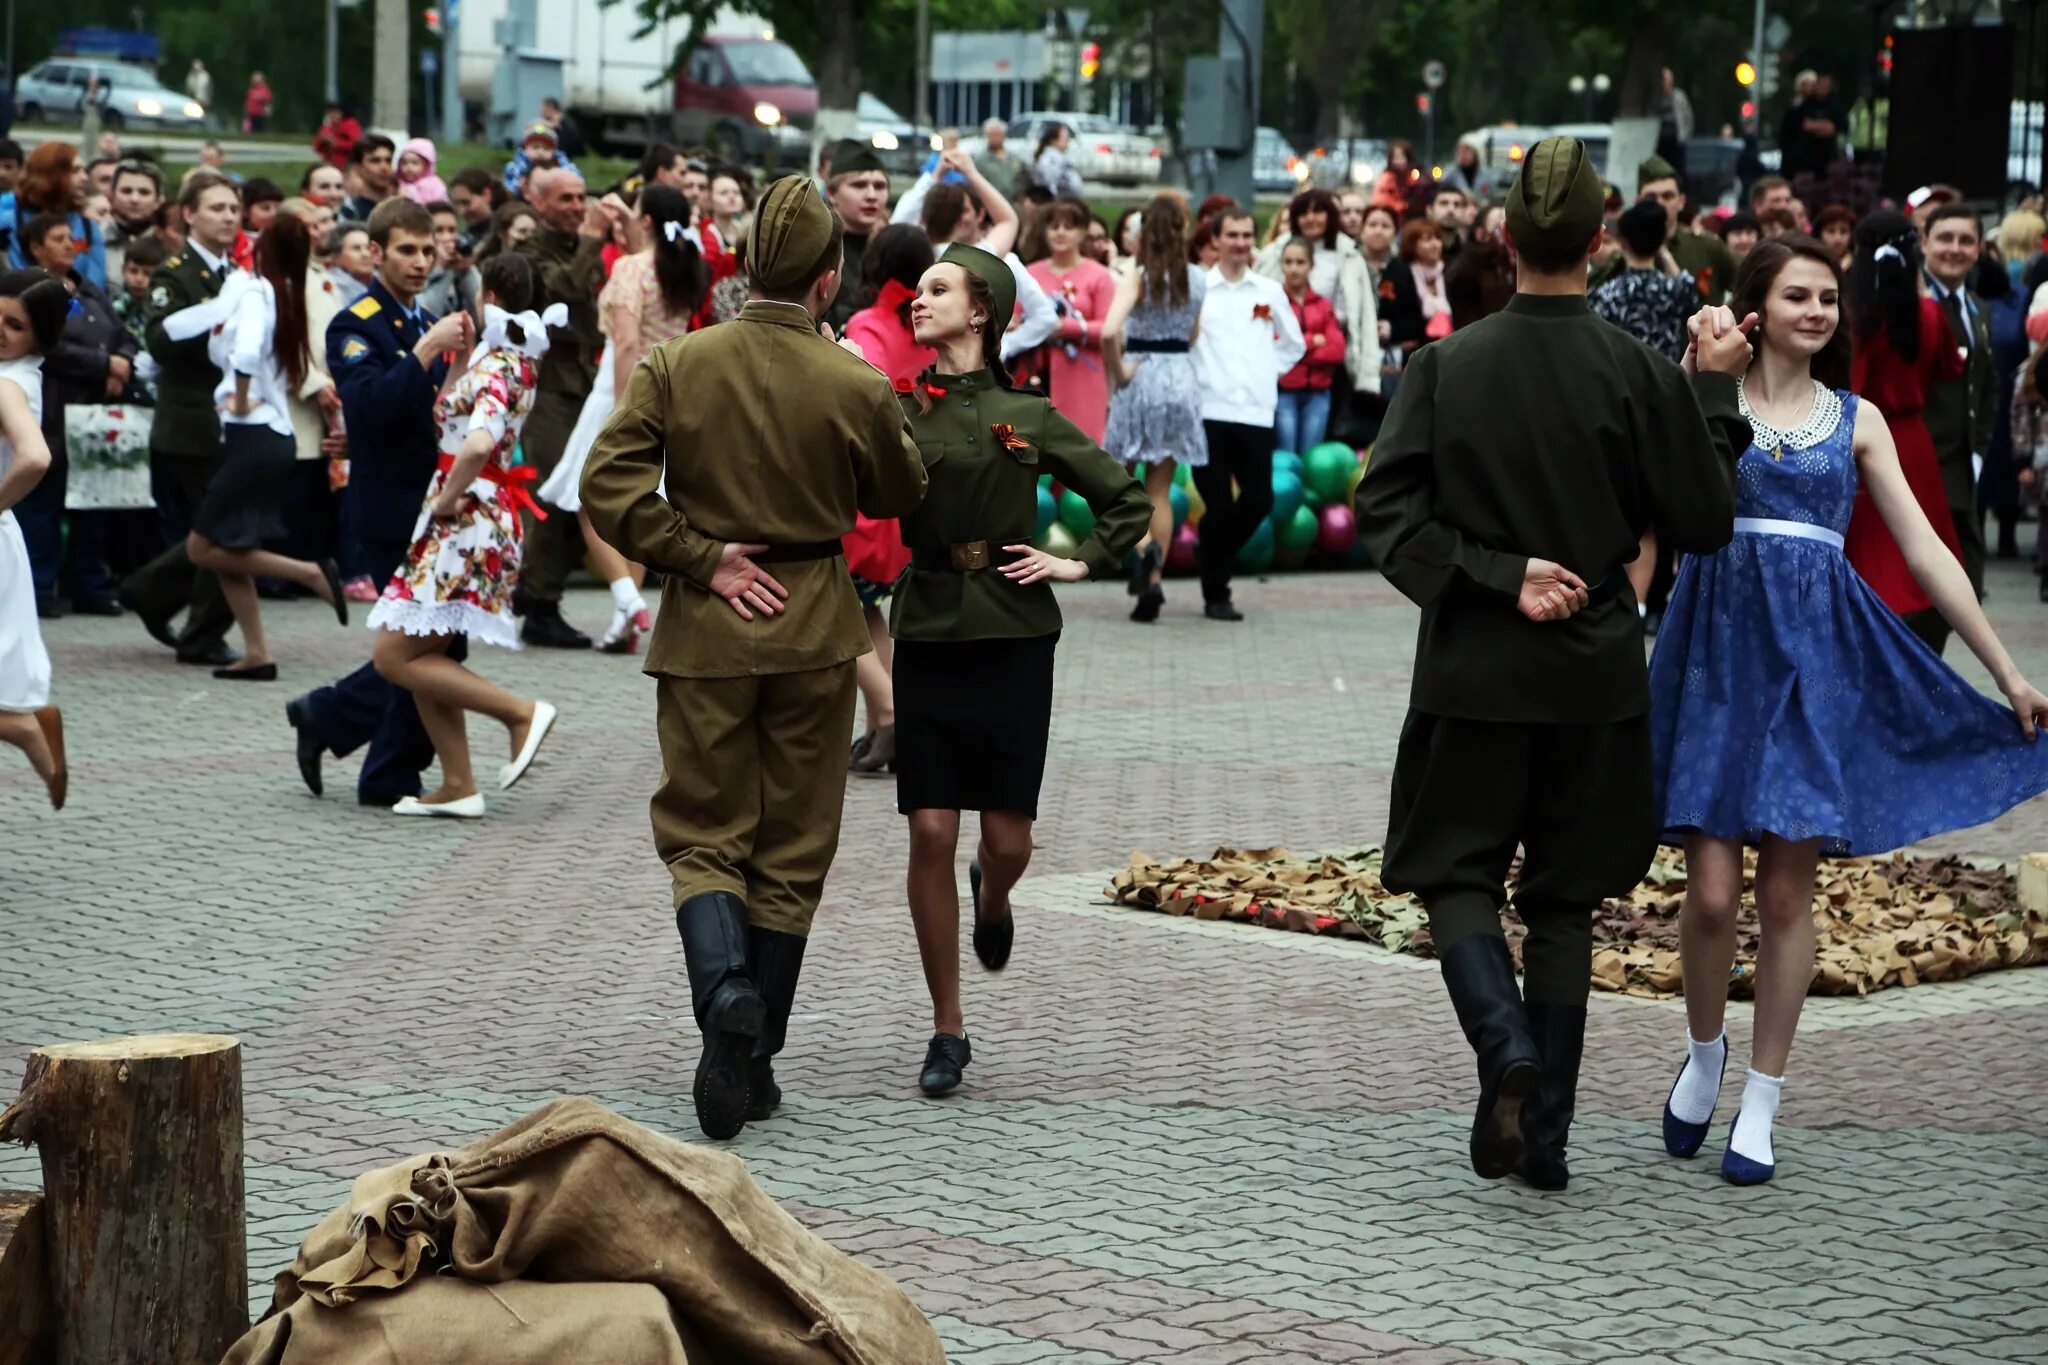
971,723
243,505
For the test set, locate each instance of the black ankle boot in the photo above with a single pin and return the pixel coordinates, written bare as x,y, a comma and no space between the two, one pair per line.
1480,975
777,959
1560,1032
729,1009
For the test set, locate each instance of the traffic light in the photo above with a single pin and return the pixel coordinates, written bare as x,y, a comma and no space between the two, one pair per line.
1091,60
1745,73
431,15
1422,102
1748,110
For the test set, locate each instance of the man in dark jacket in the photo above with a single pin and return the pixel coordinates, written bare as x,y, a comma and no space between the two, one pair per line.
184,442
388,358
1520,462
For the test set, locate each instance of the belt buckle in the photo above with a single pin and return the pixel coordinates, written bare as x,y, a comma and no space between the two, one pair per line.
971,556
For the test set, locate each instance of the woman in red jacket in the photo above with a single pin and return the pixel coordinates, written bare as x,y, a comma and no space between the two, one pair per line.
1303,417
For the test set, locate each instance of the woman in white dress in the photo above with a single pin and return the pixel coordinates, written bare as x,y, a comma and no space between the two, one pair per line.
33,307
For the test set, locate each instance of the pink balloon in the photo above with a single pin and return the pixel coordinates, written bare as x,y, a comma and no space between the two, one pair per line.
1338,532
1181,558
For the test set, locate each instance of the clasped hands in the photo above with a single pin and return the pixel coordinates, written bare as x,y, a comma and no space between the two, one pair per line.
750,589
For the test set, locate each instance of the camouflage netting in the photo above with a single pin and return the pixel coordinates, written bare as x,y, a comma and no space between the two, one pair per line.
1893,921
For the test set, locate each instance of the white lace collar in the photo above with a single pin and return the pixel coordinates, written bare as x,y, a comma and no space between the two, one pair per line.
1820,422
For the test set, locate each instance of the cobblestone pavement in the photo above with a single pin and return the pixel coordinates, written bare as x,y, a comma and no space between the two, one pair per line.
1179,1142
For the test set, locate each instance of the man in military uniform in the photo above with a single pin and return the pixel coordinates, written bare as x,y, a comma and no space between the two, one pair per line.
184,440
759,624
1520,463
1701,255
1961,414
857,188
388,357
567,251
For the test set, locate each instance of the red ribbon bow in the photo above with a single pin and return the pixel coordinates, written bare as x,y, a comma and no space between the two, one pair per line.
512,490
1007,437
1262,312
894,294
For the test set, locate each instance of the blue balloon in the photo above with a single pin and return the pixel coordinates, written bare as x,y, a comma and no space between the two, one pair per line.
1287,460
1047,510
1178,496
1287,496
1257,554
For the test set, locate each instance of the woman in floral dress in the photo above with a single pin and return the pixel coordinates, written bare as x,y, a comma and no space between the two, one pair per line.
458,576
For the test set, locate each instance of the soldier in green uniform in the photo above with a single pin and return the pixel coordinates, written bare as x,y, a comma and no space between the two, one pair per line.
184,439
975,621
1703,256
857,188
770,438
1512,480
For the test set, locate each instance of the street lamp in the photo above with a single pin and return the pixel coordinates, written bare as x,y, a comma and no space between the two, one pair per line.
1587,89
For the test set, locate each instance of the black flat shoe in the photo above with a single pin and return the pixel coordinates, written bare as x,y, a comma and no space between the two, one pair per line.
1222,611
944,1060
331,571
258,673
992,938
1149,603
310,747
159,627
1142,569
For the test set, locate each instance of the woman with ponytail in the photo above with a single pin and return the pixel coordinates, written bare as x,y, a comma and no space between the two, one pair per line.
1903,346
33,307
662,290
975,621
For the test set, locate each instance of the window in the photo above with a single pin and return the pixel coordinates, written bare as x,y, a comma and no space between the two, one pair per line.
760,62
51,72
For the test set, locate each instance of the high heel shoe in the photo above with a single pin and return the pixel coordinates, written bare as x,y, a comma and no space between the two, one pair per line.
626,629
1682,1138
51,721
1738,1169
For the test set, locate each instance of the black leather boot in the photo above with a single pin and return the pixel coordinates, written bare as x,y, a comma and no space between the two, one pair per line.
1480,975
777,959
1560,1032
729,1009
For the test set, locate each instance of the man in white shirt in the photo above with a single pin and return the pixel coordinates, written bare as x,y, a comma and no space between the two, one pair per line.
1248,338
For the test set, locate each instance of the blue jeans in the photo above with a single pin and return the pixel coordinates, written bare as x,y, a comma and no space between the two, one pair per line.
1301,420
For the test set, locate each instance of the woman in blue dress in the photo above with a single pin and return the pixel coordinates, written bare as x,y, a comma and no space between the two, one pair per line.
1792,710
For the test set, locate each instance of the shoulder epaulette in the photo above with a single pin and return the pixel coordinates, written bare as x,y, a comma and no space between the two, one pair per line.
366,307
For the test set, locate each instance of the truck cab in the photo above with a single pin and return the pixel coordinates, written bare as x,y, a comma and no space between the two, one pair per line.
747,92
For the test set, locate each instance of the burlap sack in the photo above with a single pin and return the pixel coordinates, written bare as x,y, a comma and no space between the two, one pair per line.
573,1195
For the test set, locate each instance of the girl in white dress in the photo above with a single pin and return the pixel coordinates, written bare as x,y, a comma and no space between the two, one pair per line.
33,306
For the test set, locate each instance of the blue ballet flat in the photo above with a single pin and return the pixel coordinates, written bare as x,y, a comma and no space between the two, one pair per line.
1737,1169
1682,1138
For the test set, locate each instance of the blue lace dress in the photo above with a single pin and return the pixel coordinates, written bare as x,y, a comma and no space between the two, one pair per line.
1786,698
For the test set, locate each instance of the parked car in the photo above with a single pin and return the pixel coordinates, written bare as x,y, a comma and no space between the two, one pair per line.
1352,164
746,91
1276,167
1102,151
54,92
1711,178
903,149
1502,147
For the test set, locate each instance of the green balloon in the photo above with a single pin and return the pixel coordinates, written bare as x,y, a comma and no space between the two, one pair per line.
1287,496
1045,482
1075,514
1183,475
1047,511
1178,496
1287,460
1299,531
1328,470
1257,554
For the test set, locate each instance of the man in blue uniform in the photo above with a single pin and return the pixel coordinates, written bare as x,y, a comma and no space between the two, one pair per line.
388,357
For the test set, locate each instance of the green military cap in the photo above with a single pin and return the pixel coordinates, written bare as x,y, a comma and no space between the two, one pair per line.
1655,168
851,156
1558,199
990,269
790,234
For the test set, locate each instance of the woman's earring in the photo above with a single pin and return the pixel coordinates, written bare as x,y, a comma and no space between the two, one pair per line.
974,324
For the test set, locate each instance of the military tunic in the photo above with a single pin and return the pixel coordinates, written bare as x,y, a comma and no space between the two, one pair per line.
1539,432
766,433
973,667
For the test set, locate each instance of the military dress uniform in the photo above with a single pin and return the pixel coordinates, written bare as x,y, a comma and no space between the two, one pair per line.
1542,431
762,432
1962,416
387,404
184,450
1701,255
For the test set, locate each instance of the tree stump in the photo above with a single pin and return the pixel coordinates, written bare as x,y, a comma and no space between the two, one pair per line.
24,1286
141,1148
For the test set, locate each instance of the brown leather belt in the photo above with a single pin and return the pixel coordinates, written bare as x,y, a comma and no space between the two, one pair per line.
965,558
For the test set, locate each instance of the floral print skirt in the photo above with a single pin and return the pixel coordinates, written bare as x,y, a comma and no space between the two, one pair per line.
458,576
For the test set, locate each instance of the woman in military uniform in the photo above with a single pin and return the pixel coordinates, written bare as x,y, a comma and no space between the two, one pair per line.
975,621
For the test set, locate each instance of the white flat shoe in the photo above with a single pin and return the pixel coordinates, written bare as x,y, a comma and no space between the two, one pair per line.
543,720
465,808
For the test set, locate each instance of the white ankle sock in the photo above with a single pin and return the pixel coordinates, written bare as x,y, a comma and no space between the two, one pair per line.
1699,1084
626,595
1752,1137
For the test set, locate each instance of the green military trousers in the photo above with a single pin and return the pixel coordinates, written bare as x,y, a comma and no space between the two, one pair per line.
753,787
1576,799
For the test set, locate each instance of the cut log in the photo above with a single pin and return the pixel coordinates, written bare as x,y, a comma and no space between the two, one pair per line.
24,1288
141,1147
